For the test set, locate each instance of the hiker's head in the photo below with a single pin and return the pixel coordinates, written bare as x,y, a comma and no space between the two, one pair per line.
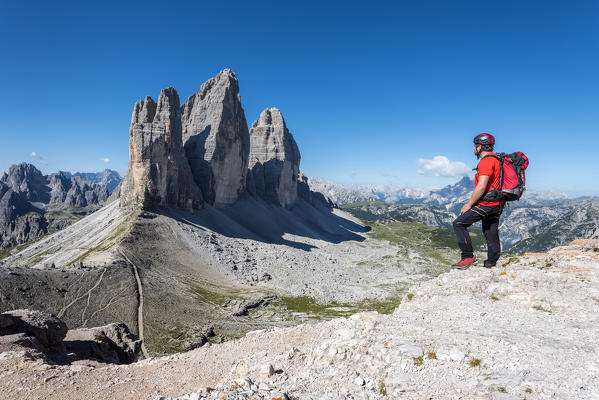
483,142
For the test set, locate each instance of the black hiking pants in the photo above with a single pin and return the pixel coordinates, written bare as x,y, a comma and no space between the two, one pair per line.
490,220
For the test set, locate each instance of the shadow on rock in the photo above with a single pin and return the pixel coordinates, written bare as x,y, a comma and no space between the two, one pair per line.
255,219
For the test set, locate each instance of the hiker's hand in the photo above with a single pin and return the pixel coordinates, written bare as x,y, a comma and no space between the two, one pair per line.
465,208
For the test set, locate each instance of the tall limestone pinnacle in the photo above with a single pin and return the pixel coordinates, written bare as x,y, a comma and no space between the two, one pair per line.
274,159
158,174
216,139
202,152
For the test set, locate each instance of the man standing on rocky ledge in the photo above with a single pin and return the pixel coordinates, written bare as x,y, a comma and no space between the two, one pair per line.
487,178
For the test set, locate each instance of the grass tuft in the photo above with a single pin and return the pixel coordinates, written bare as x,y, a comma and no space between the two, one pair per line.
474,362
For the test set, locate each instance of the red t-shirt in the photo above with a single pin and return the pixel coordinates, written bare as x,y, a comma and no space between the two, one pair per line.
488,166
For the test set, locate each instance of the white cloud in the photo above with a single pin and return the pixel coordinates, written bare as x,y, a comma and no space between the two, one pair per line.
106,160
39,158
441,166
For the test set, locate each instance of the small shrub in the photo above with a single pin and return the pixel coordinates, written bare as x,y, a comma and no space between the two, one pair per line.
494,298
418,361
410,296
474,362
501,389
431,355
382,388
528,390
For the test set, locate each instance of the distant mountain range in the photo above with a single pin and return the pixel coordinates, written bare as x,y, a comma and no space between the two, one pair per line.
579,222
33,204
526,225
108,179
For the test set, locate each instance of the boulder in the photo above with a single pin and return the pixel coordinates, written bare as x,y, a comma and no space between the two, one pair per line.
158,174
274,159
48,329
216,139
113,343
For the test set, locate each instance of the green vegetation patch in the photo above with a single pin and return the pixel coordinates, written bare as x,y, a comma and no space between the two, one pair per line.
213,297
308,305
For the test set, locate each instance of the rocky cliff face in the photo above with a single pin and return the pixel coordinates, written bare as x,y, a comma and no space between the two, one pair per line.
158,173
29,181
216,139
274,159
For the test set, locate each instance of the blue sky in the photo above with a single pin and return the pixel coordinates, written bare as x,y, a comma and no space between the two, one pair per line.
367,88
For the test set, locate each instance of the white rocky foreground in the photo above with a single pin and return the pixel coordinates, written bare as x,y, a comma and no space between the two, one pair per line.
527,329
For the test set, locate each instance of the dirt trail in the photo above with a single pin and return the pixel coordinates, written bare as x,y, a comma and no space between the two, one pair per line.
140,307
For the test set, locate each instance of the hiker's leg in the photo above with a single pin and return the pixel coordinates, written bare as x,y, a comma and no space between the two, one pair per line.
491,231
460,226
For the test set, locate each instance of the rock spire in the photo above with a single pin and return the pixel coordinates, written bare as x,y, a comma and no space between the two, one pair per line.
274,159
216,139
158,174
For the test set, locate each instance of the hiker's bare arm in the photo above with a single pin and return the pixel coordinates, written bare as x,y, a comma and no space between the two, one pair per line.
479,190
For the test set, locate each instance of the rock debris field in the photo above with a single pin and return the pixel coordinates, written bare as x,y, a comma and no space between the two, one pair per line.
524,330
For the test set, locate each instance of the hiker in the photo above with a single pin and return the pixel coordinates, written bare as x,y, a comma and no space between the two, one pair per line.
486,179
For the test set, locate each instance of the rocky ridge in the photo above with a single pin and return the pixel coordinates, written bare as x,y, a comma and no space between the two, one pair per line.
523,330
579,222
421,213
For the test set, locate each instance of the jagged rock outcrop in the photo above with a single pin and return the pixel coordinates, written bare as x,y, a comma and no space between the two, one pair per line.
29,181
49,335
274,159
158,174
113,343
216,139
74,191
46,328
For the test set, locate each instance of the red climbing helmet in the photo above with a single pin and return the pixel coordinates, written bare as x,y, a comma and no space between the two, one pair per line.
485,139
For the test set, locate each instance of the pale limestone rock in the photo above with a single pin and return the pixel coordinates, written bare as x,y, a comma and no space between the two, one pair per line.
274,159
158,174
216,139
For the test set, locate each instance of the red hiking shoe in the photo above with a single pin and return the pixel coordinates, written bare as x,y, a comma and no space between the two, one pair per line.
464,264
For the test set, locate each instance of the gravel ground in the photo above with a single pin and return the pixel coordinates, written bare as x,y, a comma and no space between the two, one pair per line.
315,252
527,329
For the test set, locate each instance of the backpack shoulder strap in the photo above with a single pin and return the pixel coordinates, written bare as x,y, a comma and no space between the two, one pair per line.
500,159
